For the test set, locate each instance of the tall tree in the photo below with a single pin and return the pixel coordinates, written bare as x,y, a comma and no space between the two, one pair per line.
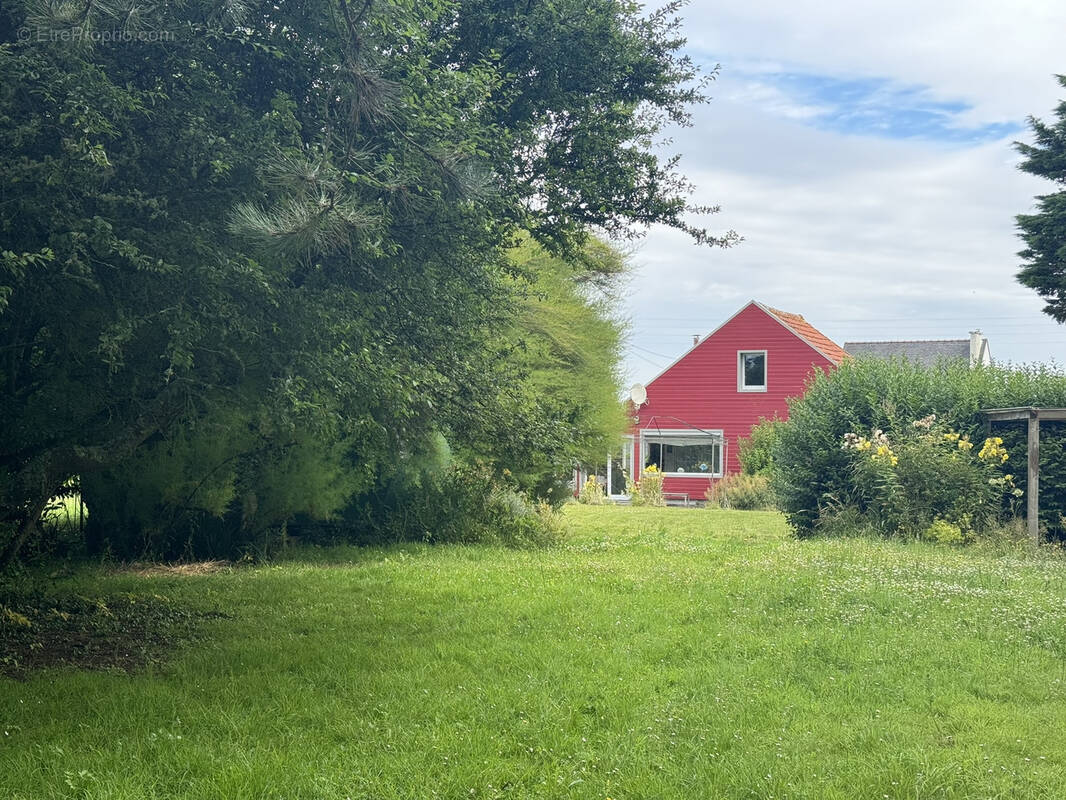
1044,232
295,216
566,351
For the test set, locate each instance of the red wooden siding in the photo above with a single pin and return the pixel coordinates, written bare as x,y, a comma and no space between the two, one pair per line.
700,390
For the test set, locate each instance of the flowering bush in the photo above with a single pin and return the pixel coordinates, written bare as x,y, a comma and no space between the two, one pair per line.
811,474
592,493
993,452
927,475
649,492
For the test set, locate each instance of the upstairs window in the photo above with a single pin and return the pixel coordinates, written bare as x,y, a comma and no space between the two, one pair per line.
751,371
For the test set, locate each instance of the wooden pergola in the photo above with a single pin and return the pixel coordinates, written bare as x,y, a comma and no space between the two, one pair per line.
1034,416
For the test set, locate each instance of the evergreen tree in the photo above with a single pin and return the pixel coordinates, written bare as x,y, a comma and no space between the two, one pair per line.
1045,231
291,221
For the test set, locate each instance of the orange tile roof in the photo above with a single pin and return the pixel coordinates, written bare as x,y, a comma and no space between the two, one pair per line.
815,338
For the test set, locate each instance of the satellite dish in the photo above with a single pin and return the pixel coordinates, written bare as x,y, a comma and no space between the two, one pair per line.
638,394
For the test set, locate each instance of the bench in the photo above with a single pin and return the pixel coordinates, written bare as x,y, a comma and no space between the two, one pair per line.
681,496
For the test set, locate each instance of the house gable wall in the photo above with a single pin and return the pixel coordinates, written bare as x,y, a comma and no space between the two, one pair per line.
700,390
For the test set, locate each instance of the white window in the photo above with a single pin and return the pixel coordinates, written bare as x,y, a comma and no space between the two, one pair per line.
751,371
686,453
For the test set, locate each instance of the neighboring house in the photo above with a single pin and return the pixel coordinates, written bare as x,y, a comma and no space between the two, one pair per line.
700,405
927,352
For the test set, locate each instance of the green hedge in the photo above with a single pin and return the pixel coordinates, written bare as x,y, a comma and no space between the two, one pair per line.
811,473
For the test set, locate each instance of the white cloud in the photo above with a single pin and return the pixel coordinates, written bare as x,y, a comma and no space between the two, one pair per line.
998,55
867,237
773,100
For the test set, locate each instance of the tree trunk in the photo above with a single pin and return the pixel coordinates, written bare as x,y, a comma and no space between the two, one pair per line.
27,527
46,473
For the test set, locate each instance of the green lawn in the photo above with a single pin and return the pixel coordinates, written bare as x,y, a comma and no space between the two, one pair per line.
660,653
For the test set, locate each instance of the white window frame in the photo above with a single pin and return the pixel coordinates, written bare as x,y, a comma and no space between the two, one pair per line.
626,463
688,433
741,386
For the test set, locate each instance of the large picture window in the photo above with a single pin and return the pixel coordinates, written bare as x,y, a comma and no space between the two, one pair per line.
695,453
751,370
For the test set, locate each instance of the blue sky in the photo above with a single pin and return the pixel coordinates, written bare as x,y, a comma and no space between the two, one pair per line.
866,156
883,107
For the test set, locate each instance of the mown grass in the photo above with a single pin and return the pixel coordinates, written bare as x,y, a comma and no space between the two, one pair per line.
661,653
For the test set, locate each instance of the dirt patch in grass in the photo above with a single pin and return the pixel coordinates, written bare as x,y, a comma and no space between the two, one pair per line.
121,632
194,568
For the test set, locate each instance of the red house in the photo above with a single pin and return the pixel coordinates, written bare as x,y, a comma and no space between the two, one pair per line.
700,405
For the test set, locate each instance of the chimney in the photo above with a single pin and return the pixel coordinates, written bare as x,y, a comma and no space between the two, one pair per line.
695,339
976,340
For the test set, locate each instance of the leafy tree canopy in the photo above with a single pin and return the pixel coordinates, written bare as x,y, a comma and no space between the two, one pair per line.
567,343
295,217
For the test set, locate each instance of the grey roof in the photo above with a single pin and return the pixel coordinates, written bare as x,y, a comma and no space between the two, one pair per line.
927,352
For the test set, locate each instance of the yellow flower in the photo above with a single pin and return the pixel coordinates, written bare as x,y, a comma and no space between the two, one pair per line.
965,444
993,451
884,453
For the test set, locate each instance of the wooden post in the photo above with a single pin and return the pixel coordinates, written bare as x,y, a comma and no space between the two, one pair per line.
1032,509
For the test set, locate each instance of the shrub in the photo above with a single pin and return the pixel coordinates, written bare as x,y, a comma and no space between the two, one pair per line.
756,453
460,504
1052,470
742,492
649,492
227,485
944,532
812,475
925,474
592,493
